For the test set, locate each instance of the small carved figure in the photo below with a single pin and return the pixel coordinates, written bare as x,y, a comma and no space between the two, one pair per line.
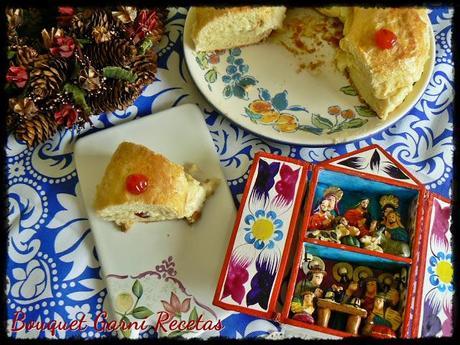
333,195
343,274
360,217
371,243
322,218
349,232
307,289
376,321
394,227
313,280
391,218
391,246
304,311
393,295
368,299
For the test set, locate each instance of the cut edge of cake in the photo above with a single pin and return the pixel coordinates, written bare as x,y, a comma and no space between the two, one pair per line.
172,193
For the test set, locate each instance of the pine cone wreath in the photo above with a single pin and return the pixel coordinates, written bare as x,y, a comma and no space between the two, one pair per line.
35,130
93,61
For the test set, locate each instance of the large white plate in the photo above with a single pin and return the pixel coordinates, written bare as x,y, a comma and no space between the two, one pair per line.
273,74
165,257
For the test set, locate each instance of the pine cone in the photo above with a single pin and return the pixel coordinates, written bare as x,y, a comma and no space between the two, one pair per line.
48,77
115,95
77,26
117,52
35,130
145,67
26,56
85,21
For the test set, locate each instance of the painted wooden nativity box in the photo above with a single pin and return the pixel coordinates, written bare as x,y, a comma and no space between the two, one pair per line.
346,258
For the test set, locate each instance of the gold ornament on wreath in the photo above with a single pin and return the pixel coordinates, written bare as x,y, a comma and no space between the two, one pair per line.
71,63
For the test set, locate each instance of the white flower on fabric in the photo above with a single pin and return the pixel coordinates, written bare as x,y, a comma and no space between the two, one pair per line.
30,282
16,169
77,312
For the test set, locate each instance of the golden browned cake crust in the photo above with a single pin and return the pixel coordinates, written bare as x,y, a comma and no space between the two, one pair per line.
168,184
383,77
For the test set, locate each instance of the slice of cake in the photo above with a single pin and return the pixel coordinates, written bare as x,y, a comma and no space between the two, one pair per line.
216,28
384,51
140,185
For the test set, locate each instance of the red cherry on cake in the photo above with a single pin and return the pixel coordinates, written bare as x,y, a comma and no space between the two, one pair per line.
385,39
137,183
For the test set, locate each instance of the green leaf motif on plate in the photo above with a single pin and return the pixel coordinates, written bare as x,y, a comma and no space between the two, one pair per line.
355,123
142,312
227,91
279,101
137,289
365,111
247,81
321,122
124,329
310,129
202,60
252,116
264,94
193,315
211,76
239,92
349,90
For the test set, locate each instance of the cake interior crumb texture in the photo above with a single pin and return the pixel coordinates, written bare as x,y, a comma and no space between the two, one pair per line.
223,28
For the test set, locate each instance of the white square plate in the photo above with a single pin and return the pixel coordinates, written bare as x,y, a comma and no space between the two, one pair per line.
168,259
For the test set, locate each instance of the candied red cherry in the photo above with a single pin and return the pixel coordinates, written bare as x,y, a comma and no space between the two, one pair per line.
137,183
385,39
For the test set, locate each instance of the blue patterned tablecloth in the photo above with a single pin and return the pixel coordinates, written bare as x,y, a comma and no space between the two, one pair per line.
53,272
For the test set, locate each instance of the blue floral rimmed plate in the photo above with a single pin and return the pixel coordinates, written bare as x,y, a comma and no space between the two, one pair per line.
288,87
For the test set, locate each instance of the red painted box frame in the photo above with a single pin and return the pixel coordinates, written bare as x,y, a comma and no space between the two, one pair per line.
418,257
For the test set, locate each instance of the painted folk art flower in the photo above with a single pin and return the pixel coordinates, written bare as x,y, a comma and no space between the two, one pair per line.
263,230
175,307
438,299
263,234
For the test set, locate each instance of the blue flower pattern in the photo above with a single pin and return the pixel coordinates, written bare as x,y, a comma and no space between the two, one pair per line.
434,278
277,234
